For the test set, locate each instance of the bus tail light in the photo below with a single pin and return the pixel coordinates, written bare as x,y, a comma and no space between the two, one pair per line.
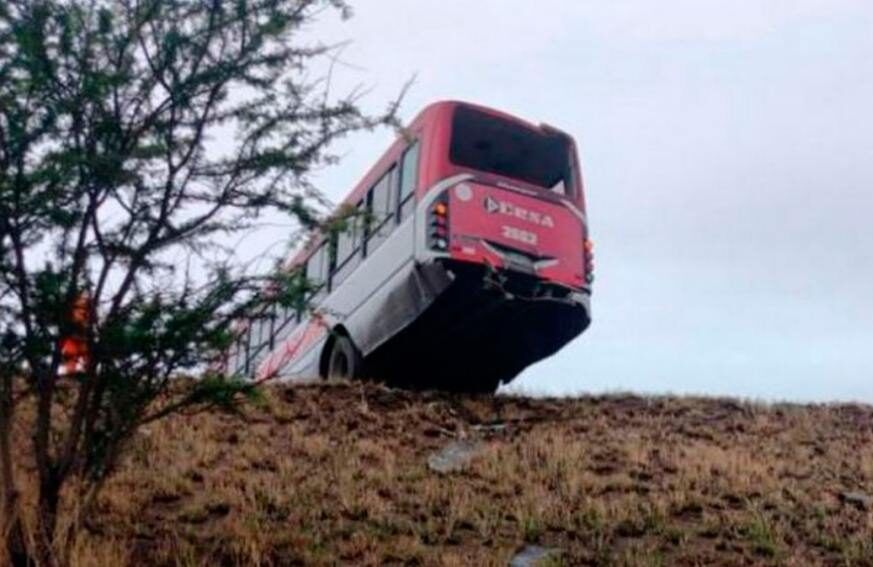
588,246
438,225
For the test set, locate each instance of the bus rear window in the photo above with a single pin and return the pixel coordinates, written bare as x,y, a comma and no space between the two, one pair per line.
487,143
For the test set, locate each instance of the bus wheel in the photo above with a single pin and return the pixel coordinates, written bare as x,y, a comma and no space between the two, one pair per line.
345,361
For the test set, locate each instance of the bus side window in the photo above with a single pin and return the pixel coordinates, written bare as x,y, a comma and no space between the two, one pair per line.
262,337
231,358
282,326
330,261
247,352
260,332
287,320
408,181
241,354
293,313
345,244
316,272
348,248
286,316
265,328
274,312
381,209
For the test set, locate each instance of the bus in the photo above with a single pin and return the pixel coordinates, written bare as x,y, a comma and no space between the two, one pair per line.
469,261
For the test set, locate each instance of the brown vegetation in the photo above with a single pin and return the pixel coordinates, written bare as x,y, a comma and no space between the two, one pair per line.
338,475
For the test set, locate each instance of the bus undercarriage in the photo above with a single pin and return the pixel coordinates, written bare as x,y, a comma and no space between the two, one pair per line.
483,328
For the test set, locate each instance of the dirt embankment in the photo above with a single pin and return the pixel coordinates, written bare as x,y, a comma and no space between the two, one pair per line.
340,475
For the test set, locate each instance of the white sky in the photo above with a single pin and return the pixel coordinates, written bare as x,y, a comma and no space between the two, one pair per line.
727,148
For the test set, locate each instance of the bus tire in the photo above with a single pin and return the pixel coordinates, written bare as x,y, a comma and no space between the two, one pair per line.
344,361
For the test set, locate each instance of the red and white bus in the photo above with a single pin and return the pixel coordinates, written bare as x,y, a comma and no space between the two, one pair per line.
470,261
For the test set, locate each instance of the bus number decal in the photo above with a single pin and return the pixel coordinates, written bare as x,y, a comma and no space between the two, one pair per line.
525,236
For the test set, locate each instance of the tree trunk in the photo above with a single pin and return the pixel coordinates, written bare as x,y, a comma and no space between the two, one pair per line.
47,520
16,548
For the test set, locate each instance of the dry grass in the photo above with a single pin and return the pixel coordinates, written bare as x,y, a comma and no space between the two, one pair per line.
325,475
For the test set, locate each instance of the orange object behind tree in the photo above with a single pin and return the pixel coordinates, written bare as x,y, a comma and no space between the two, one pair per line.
74,347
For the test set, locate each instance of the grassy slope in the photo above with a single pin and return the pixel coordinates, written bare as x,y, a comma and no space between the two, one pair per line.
338,475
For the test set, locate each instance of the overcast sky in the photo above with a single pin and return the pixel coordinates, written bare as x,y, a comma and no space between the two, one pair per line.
727,149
